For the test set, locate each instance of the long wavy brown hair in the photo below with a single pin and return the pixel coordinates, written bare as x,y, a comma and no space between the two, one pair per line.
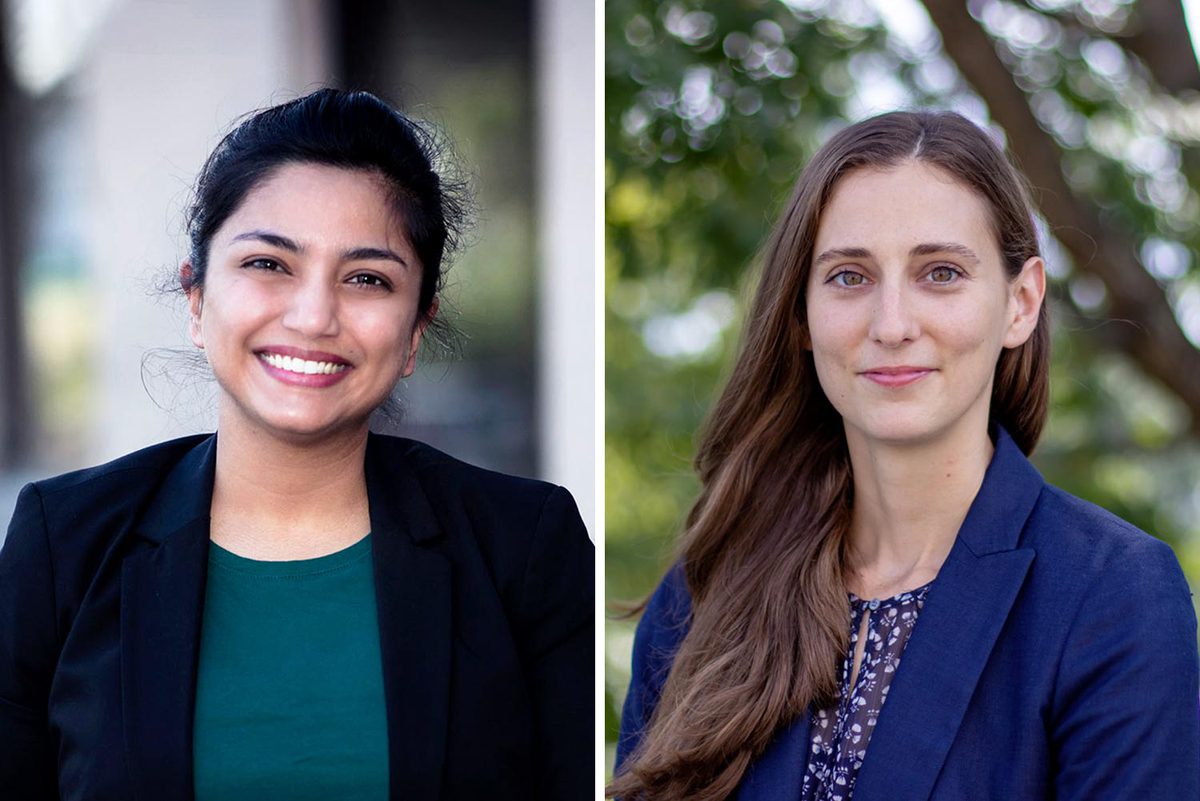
763,546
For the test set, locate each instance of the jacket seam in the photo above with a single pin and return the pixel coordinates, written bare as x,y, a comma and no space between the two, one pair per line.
1066,641
41,501
533,541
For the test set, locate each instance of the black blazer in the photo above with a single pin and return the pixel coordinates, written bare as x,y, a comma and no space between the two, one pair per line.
485,591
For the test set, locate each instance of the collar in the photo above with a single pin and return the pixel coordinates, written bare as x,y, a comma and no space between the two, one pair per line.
1005,500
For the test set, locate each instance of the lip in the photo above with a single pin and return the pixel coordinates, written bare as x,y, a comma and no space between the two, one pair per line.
896,376
310,380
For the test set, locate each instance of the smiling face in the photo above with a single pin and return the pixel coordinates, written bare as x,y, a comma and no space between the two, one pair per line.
308,312
909,305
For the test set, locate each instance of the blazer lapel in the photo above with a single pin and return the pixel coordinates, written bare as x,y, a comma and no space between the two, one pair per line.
162,597
412,585
963,614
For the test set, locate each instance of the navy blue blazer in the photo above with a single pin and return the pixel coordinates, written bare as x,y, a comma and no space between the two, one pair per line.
485,590
1055,658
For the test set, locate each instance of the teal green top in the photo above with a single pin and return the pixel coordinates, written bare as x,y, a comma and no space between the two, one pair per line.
289,693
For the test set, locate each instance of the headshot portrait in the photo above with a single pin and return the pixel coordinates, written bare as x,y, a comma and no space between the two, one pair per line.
900,294
297,462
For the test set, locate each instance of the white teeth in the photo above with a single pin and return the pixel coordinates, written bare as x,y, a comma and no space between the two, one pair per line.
301,366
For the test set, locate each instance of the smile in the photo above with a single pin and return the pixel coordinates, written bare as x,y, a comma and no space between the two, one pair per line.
301,366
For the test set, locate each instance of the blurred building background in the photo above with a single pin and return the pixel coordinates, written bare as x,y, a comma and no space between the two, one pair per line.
107,110
712,108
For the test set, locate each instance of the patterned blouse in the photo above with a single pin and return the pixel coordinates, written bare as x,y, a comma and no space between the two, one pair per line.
839,734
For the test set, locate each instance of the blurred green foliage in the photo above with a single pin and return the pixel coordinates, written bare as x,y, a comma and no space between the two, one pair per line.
712,109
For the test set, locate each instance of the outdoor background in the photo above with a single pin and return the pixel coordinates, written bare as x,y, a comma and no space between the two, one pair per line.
713,107
109,107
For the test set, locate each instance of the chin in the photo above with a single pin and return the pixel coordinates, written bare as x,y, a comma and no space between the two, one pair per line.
302,427
899,429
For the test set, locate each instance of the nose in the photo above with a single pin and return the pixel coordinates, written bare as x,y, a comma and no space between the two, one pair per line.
312,309
893,321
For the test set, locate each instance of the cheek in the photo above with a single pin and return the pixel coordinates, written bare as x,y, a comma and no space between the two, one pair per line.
971,338
387,332
227,316
961,330
969,327
833,332
832,342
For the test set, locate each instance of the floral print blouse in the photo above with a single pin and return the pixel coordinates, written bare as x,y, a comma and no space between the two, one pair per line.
839,734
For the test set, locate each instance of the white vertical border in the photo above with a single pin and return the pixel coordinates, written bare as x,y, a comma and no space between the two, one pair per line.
600,269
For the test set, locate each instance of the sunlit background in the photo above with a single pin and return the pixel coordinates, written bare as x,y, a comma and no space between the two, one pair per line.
107,110
713,107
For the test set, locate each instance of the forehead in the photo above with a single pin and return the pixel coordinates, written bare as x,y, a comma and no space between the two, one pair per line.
886,210
321,202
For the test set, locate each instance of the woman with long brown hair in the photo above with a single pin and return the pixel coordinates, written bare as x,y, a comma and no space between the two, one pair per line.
869,528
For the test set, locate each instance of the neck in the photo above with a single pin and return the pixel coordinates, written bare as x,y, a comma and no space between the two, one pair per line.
277,499
909,503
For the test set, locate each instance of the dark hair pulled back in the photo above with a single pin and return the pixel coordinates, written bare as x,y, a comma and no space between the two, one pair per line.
353,130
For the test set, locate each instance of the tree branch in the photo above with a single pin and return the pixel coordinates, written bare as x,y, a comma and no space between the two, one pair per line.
1157,34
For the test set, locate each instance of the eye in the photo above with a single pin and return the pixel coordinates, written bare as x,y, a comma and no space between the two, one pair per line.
847,278
944,274
369,280
268,265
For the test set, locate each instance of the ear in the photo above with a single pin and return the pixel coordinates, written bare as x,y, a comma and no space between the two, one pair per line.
1027,292
410,363
195,298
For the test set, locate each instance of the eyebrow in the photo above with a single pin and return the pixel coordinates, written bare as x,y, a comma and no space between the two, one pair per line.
290,245
923,249
274,240
933,248
834,254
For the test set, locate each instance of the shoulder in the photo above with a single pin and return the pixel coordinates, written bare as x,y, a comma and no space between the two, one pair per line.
105,496
1115,615
517,529
519,539
663,625
64,527
668,612
660,631
1089,541
129,471
449,482
1109,583
1091,562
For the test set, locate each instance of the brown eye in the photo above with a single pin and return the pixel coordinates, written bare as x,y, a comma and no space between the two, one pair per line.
944,274
849,278
269,265
369,280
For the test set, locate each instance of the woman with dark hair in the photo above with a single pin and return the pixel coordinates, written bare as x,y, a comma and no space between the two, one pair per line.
869,528
294,607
